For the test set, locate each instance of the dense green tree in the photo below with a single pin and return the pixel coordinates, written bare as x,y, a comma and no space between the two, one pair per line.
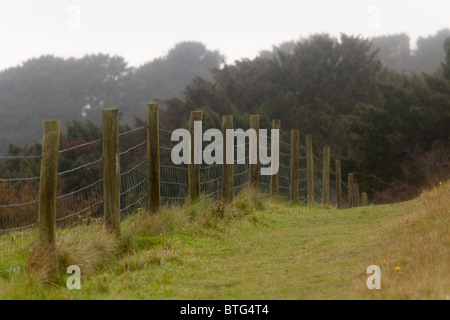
394,140
309,88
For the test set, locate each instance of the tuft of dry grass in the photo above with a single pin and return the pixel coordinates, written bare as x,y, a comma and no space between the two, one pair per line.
249,201
91,250
41,264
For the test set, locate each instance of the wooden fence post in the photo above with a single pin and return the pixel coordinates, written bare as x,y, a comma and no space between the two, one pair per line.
44,257
295,139
326,175
111,169
274,179
154,188
228,169
364,201
254,168
350,190
310,169
193,168
356,195
338,184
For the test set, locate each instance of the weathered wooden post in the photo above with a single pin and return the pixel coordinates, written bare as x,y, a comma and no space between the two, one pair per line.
350,190
364,199
154,191
295,139
274,179
310,168
254,168
228,169
111,169
338,184
194,168
43,257
356,194
326,175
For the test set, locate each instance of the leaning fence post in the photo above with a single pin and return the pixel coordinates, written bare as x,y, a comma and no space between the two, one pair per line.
154,191
253,175
295,138
228,169
44,254
194,165
310,169
111,169
274,179
364,199
350,190
338,184
326,175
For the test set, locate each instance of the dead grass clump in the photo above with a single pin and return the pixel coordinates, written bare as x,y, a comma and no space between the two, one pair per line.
90,250
248,202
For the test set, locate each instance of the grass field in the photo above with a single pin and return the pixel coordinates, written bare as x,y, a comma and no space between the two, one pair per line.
259,249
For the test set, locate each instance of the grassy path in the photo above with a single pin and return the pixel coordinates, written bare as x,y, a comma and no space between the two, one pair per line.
280,252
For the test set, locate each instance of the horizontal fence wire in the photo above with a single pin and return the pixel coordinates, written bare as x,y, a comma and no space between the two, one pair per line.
174,182
80,186
19,201
134,172
79,201
211,180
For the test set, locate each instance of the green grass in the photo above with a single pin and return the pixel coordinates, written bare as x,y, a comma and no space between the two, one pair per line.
260,249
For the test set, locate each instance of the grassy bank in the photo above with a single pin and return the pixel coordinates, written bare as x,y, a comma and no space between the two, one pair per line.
259,249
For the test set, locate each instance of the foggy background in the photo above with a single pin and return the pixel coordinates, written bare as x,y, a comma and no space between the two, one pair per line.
140,31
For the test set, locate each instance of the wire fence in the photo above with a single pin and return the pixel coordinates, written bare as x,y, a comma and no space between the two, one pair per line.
80,187
19,198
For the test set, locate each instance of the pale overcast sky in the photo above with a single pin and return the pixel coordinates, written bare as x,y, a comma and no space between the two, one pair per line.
143,30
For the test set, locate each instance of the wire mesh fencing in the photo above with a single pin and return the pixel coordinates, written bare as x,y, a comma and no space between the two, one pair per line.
133,172
174,179
19,198
80,180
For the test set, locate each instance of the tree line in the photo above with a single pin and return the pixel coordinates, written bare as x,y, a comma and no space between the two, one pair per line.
387,126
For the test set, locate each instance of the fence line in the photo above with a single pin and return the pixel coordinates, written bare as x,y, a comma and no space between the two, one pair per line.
80,186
